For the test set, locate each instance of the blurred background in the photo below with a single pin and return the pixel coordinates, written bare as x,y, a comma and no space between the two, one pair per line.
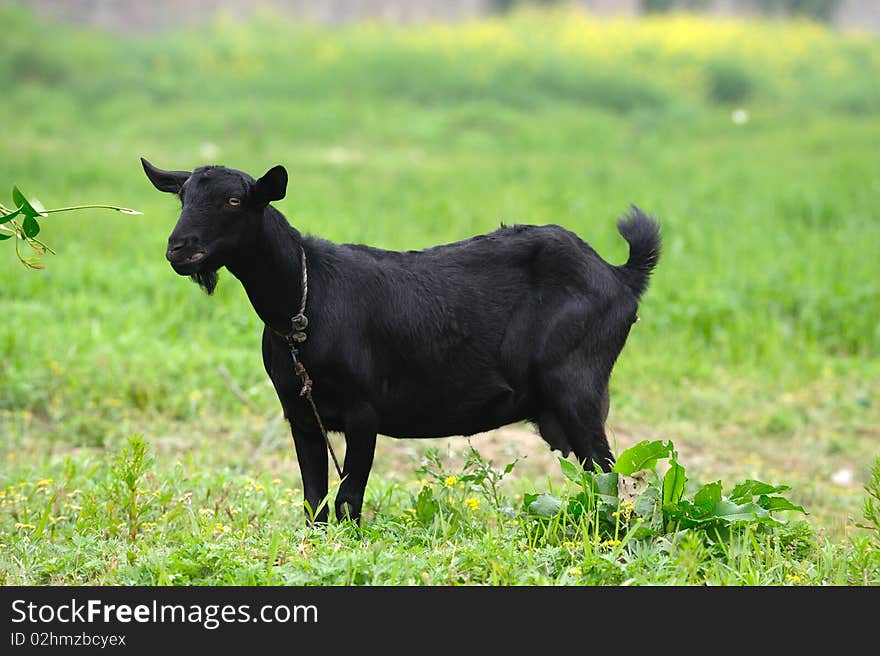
750,129
118,14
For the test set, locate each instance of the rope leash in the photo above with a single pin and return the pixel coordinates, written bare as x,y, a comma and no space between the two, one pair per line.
297,335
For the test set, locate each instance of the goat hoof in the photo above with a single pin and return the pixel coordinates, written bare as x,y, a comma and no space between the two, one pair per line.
347,511
320,519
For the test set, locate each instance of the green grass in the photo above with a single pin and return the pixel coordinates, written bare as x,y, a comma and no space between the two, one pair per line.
115,521
756,350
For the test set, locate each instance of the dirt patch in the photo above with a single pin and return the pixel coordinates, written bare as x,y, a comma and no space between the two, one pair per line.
503,445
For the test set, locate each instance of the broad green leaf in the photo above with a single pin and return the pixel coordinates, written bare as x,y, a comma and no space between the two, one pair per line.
18,198
545,505
643,455
509,467
681,512
426,506
673,483
606,484
589,501
5,235
773,504
708,496
528,497
729,511
571,471
30,226
608,505
8,217
686,515
38,206
746,490
647,506
28,206
582,503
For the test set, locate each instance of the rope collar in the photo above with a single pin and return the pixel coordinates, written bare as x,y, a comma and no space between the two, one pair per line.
297,335
299,322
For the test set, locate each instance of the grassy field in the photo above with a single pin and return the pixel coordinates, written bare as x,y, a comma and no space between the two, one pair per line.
757,349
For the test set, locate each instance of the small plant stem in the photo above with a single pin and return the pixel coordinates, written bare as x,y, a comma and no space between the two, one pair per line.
132,515
89,207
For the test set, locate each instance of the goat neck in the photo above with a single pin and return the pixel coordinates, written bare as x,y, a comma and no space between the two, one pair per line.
269,267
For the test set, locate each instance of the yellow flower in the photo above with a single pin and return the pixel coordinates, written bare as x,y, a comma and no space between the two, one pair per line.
472,503
276,481
611,543
451,481
794,578
575,571
25,526
220,528
44,482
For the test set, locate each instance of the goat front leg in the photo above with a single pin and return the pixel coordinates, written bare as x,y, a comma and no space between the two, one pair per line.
311,453
360,446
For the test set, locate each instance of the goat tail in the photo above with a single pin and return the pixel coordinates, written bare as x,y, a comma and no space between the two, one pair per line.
642,232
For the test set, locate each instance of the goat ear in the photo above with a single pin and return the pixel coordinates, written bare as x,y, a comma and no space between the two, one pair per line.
273,185
170,181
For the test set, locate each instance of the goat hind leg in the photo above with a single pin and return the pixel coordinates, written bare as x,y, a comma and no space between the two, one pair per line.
585,430
579,404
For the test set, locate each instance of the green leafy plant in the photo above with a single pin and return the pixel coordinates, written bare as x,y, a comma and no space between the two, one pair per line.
449,500
131,464
21,223
635,501
871,506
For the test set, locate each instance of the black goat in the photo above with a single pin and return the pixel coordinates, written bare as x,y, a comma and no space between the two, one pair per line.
524,323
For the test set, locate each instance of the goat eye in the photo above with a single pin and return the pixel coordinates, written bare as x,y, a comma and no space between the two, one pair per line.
235,202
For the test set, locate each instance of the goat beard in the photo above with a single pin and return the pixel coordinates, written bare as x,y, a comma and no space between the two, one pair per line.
207,280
